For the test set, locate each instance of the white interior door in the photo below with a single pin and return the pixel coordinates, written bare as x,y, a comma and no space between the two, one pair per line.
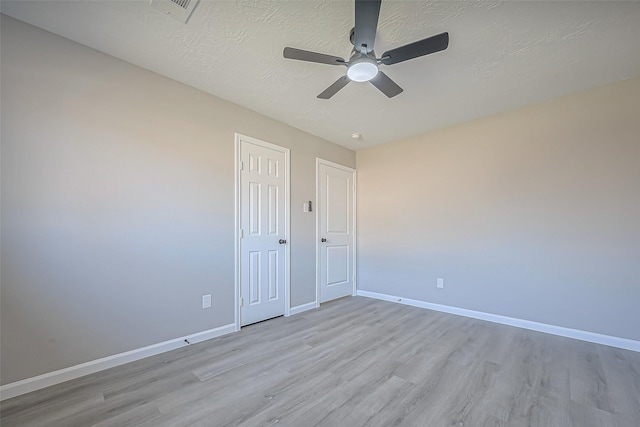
336,229
263,232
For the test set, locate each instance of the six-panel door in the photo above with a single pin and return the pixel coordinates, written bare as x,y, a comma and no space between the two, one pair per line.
262,247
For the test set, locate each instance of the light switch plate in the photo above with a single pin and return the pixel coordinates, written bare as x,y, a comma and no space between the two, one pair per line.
206,301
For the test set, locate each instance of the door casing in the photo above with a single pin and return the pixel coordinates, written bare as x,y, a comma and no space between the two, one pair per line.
239,138
319,162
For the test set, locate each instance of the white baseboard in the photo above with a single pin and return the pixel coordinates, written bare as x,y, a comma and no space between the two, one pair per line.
593,337
303,307
56,377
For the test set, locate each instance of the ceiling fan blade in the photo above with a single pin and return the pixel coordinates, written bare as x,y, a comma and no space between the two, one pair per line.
367,13
386,85
334,88
305,55
413,50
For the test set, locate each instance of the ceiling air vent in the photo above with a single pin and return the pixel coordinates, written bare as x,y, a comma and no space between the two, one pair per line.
179,9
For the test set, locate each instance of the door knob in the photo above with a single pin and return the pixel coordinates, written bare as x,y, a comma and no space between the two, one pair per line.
323,240
282,241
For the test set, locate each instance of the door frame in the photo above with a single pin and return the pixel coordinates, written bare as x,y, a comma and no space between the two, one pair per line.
353,172
239,138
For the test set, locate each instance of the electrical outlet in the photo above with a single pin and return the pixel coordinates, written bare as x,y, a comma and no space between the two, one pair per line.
206,301
440,283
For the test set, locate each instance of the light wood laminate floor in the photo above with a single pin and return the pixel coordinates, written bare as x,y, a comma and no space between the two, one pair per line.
355,362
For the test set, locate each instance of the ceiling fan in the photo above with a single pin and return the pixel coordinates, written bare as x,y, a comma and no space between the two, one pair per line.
363,64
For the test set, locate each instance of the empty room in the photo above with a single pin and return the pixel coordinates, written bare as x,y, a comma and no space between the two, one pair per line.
321,212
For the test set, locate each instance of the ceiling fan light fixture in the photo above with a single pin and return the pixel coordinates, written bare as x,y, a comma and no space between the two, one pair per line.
362,70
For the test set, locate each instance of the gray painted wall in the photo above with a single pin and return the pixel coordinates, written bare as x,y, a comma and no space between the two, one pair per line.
118,204
533,214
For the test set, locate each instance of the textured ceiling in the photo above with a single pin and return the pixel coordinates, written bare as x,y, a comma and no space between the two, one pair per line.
502,55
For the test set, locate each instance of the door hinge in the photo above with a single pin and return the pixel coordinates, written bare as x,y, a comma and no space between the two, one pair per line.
241,301
241,165
241,233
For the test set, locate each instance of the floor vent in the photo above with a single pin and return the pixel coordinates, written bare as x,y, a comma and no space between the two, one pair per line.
178,9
